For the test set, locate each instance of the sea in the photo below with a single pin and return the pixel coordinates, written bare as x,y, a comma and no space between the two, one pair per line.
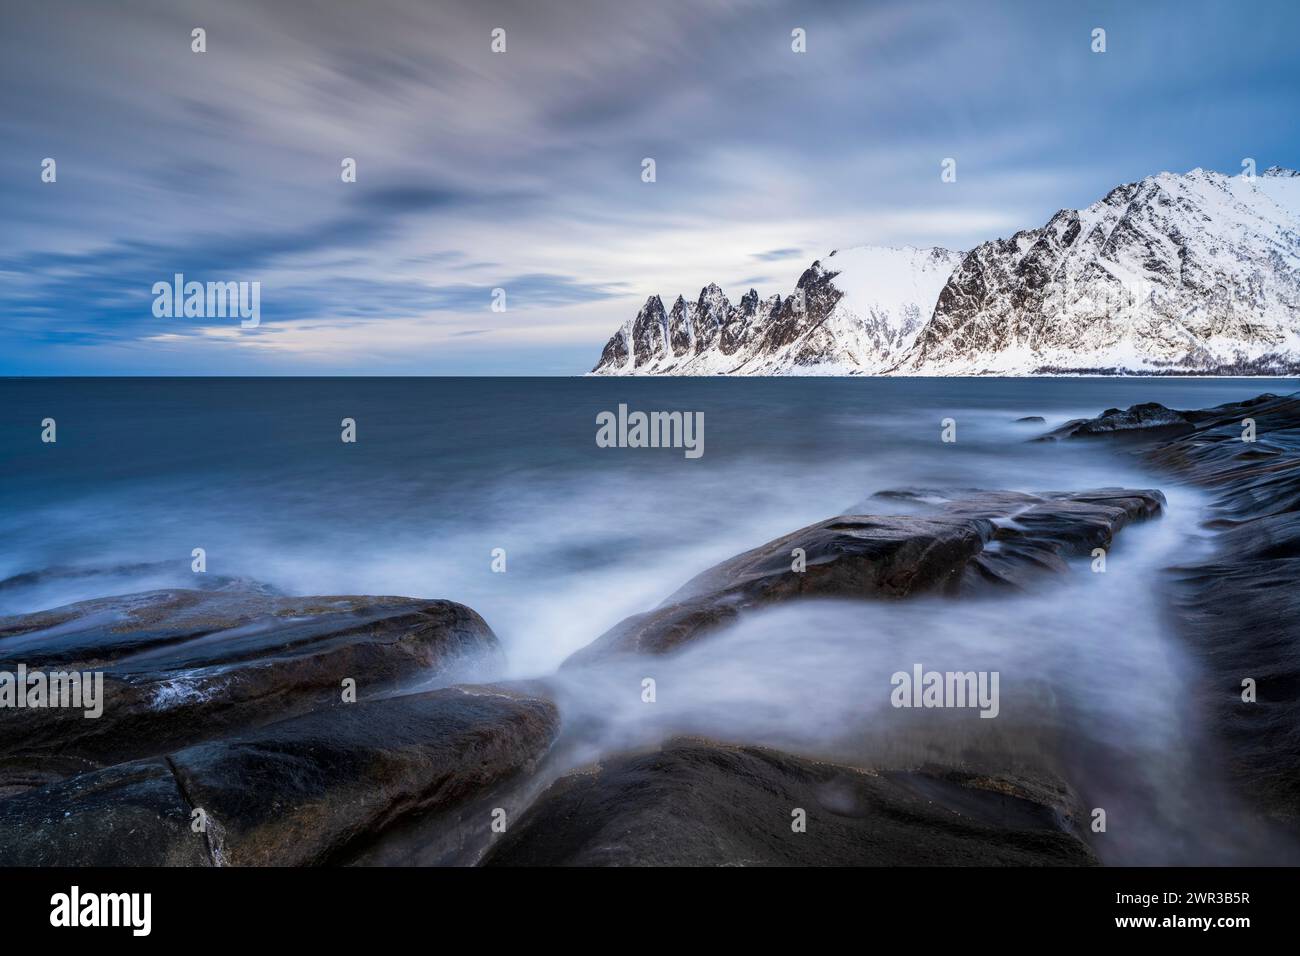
494,492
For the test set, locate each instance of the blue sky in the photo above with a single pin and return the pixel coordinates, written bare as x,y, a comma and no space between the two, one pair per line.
522,170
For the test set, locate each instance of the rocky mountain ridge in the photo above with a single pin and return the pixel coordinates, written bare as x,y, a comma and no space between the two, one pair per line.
1193,274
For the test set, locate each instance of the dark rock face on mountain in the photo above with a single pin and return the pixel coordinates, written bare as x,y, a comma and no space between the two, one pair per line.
182,666
616,352
701,803
960,545
1239,608
309,790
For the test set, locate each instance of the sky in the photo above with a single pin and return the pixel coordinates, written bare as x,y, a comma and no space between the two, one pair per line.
522,170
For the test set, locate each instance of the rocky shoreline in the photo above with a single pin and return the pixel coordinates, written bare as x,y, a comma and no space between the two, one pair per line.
246,728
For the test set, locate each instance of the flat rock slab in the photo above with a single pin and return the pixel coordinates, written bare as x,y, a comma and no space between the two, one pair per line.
182,666
958,544
701,803
309,790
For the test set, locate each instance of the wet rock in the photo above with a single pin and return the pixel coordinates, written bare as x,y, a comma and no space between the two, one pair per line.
1242,614
314,789
1146,420
182,666
1240,609
1032,420
130,815
1251,479
956,545
701,803
64,574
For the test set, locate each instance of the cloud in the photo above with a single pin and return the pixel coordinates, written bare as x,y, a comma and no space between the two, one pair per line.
522,170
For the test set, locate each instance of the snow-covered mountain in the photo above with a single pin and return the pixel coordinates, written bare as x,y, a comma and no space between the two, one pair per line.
1190,274
1198,273
857,311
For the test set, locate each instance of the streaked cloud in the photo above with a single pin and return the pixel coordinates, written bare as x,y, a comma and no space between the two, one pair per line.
522,170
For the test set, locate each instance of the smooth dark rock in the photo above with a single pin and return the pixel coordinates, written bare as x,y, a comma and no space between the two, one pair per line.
1251,479
184,666
310,790
701,803
1145,420
960,545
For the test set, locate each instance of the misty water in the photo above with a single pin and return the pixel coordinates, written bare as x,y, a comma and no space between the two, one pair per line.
1095,680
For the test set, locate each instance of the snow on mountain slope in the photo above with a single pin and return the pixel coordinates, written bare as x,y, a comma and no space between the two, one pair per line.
857,312
1183,274
1173,274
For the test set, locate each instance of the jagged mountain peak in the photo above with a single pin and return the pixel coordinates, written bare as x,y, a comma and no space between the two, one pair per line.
1196,272
712,297
851,312
1184,273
